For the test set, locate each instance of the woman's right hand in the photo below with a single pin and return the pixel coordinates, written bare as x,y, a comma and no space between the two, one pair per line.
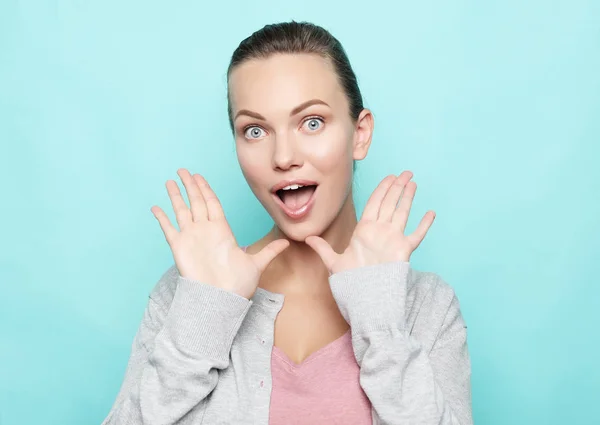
204,247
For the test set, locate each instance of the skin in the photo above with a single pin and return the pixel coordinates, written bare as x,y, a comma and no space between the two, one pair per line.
279,136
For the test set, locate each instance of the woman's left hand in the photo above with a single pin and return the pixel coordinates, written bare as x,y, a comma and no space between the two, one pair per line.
379,235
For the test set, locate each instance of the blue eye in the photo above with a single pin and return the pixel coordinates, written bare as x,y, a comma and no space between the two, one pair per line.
253,133
313,123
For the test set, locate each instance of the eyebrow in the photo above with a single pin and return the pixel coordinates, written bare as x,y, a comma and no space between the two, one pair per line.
295,111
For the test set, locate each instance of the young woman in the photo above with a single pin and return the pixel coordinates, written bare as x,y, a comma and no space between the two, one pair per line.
322,321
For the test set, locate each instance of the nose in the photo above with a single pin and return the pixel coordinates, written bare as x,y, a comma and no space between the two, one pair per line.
285,155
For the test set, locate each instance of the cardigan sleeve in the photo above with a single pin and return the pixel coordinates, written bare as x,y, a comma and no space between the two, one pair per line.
405,382
177,351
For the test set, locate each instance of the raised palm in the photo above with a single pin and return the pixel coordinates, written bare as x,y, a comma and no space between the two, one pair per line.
204,248
379,235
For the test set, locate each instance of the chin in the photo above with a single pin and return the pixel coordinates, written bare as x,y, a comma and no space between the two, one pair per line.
298,232
312,225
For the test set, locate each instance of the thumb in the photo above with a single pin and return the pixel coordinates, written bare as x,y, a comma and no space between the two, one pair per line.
322,247
269,252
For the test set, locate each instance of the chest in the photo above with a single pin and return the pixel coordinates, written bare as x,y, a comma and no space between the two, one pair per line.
307,324
260,388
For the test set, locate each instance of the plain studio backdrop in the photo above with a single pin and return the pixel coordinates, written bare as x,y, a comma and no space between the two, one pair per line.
495,107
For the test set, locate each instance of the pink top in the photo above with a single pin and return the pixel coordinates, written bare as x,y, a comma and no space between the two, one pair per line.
323,389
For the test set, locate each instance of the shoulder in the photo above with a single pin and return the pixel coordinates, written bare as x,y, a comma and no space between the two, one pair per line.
431,304
163,291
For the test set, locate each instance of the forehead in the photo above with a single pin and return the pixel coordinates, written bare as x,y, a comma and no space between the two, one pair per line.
281,82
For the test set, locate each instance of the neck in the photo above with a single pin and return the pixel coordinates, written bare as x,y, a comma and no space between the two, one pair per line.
299,269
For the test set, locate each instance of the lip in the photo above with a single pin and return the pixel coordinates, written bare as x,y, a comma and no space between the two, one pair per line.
285,183
300,212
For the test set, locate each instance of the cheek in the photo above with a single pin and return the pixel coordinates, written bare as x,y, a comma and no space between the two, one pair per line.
252,165
248,166
332,153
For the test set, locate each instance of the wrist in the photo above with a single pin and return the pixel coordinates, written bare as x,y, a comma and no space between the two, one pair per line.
372,297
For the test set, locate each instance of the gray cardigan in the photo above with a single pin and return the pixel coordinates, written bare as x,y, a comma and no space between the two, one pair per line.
202,355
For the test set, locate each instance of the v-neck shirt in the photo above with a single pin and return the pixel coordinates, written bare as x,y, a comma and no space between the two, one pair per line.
324,388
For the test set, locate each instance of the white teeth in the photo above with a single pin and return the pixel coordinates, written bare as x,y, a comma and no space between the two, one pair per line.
292,187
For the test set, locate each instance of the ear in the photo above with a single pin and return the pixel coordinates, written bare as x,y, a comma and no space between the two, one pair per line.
363,133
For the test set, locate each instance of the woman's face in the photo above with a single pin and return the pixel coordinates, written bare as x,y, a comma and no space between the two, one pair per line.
295,140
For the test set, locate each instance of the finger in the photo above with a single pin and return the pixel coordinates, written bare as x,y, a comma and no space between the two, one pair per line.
390,202
182,212
197,204
165,224
419,234
213,206
322,247
263,258
400,215
372,208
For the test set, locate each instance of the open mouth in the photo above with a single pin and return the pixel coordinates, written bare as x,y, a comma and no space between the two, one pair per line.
296,198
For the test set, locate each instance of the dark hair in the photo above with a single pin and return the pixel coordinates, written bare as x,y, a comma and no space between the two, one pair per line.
299,37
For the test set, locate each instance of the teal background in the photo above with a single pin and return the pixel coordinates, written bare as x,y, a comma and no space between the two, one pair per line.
495,107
